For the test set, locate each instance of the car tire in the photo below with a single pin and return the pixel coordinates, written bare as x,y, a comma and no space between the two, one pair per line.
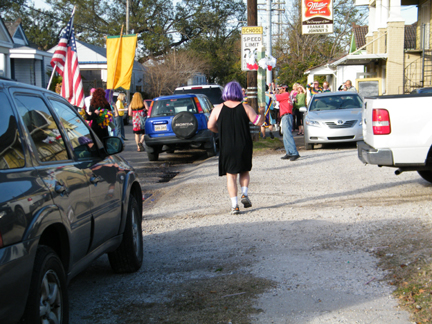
309,146
212,151
128,257
43,305
184,125
153,156
426,174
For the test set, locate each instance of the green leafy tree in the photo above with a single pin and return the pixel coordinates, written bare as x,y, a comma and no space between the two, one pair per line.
298,53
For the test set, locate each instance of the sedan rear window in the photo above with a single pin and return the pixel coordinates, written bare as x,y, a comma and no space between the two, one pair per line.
171,107
336,102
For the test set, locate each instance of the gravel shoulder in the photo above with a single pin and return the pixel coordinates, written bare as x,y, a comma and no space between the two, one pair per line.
304,253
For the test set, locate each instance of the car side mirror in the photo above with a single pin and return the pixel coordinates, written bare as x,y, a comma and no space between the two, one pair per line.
303,109
113,145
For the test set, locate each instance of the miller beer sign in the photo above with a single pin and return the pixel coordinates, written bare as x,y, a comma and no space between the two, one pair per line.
317,16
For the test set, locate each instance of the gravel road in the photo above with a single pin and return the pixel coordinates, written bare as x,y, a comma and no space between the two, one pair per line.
304,253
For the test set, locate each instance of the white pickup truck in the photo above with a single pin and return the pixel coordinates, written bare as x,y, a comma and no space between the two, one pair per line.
397,132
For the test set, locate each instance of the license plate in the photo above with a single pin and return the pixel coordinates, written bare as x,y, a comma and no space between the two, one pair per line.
160,128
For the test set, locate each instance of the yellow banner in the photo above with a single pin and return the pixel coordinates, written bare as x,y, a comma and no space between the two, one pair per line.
120,60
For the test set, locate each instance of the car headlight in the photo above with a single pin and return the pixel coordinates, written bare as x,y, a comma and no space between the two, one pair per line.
310,122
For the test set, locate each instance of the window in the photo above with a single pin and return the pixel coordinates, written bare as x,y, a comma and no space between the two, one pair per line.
78,133
204,104
11,150
42,128
173,106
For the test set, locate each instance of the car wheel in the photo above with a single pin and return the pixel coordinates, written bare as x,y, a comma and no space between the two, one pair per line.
128,257
426,174
212,151
47,300
153,156
184,125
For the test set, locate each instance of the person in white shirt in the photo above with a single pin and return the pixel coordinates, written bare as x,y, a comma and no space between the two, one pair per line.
349,86
88,99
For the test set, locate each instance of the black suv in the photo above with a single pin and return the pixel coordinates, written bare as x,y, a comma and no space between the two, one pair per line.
66,198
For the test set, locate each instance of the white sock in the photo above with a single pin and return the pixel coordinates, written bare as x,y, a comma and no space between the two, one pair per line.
234,202
244,191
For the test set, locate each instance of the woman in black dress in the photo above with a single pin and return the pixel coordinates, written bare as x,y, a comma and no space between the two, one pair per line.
231,120
97,103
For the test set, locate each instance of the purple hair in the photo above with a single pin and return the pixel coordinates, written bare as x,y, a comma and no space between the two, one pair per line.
232,91
109,96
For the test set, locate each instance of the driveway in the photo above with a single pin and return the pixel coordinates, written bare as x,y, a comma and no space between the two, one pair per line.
304,253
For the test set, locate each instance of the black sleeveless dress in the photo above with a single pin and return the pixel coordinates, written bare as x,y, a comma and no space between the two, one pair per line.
235,141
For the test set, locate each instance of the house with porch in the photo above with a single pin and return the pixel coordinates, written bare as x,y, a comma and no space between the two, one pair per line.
25,62
362,63
397,54
6,43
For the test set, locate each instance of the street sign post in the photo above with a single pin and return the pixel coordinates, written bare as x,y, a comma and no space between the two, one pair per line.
252,41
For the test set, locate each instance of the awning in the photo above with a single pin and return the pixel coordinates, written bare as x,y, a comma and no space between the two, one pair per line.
359,59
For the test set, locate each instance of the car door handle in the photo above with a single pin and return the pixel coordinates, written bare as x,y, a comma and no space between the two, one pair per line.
95,179
60,189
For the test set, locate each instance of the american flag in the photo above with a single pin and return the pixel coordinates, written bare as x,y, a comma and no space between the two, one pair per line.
66,59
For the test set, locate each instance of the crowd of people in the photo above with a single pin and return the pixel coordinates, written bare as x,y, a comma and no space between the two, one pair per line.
298,98
100,107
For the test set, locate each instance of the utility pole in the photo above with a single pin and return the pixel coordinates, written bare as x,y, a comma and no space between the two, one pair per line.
127,32
252,89
269,39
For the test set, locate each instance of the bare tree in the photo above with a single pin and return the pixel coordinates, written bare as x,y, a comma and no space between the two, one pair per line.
297,52
164,74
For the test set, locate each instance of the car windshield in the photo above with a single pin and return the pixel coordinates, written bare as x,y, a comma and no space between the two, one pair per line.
214,94
335,102
171,107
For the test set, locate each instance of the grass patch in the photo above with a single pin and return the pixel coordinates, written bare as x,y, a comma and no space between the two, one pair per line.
415,292
407,259
267,144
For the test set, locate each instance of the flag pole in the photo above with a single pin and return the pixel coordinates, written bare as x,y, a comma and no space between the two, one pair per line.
117,57
52,74
55,66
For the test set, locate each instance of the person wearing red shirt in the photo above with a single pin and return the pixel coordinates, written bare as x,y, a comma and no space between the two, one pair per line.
286,106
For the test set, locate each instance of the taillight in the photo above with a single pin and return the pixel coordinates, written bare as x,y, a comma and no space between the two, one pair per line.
200,110
381,122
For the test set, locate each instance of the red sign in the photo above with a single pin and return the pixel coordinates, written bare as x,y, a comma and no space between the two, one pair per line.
317,7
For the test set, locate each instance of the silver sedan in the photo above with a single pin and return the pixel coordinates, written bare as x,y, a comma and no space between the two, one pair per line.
333,117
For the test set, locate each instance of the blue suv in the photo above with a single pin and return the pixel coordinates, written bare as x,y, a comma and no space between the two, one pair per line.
179,122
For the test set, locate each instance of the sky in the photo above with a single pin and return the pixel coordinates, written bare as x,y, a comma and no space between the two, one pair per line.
408,12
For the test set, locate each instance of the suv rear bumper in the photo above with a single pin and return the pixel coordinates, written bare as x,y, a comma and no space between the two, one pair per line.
203,136
368,154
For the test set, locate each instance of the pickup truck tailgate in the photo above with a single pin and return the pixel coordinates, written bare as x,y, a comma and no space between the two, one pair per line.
410,126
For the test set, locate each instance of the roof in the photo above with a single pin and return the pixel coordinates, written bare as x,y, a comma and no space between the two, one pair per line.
13,26
94,48
335,93
329,62
199,86
179,96
410,36
360,35
17,32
